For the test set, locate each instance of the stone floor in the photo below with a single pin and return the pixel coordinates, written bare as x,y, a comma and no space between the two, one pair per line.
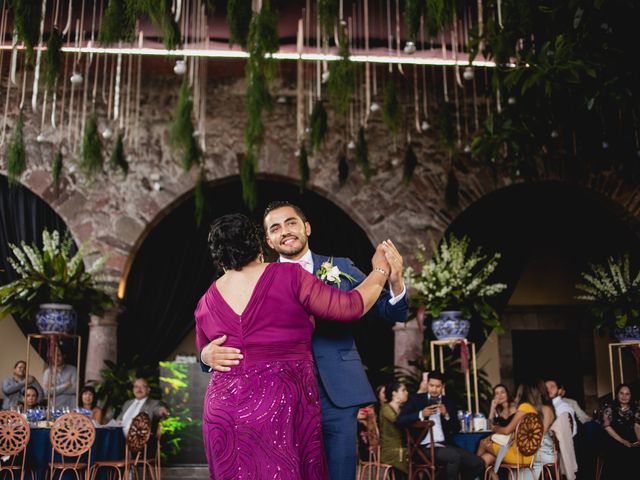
185,472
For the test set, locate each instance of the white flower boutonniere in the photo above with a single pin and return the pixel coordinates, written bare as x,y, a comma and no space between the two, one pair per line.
329,273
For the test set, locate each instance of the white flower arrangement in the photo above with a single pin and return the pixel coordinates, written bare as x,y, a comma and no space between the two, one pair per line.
612,292
456,279
329,273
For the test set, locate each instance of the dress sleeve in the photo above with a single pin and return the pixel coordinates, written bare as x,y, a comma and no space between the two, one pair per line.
327,302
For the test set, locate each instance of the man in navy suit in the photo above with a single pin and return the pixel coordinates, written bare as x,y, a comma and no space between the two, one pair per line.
437,408
342,382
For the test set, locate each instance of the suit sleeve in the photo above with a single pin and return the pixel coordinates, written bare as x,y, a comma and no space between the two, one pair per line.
325,301
450,426
410,411
398,312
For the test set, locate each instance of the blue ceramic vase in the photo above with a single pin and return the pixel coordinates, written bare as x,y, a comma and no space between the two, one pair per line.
56,318
629,333
450,326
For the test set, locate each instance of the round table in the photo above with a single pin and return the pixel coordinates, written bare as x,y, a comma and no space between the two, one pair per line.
109,445
469,441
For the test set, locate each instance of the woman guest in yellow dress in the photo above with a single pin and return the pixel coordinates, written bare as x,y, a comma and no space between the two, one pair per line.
531,398
392,451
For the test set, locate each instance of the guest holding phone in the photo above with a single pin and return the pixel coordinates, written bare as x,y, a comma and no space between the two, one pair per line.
621,420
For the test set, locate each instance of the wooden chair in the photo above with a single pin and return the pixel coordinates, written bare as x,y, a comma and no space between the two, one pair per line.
420,461
372,469
72,435
528,438
14,437
552,470
153,463
135,452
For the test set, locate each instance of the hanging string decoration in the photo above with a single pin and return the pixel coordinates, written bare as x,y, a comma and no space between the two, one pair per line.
16,155
317,125
118,21
52,60
118,159
26,18
362,155
91,160
303,167
56,169
181,129
391,108
342,77
409,164
239,16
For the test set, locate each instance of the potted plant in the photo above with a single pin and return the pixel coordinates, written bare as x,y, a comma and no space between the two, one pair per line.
453,287
613,295
53,284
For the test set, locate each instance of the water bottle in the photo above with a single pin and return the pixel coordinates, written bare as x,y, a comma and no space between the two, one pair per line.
461,420
467,422
479,422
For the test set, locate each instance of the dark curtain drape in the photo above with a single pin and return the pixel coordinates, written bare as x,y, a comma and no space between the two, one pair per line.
173,269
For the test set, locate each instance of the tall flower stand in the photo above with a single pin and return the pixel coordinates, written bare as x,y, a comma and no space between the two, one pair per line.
616,348
52,340
440,344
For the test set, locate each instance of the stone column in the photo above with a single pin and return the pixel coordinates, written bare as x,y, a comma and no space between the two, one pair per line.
103,342
409,338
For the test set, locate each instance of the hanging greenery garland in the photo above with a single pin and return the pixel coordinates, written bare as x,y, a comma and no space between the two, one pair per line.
317,125
362,155
91,160
56,169
16,154
391,108
328,11
438,14
343,169
118,158
26,20
451,193
303,167
412,12
118,21
446,128
409,164
163,19
248,180
52,60
199,196
342,77
238,20
181,129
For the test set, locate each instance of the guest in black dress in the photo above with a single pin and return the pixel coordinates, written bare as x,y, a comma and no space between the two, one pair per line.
503,408
621,420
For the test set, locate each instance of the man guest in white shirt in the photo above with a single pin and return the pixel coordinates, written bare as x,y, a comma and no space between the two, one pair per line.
142,403
559,405
437,408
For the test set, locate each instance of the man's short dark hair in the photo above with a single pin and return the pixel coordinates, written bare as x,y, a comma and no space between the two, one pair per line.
436,375
280,204
558,383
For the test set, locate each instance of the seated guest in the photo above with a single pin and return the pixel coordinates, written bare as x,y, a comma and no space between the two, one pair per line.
621,420
559,405
502,410
31,399
13,386
581,415
88,402
437,408
392,451
63,384
142,403
531,397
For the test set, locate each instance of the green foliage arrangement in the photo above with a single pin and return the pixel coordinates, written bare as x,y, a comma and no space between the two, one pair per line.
303,167
612,292
118,21
438,14
391,108
238,20
16,155
413,9
26,20
52,274
342,77
56,169
409,164
160,13
118,159
91,160
328,11
181,129
446,128
248,180
456,278
52,58
362,155
317,125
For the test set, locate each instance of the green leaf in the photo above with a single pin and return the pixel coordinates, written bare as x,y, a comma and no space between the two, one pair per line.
16,154
91,160
303,167
118,159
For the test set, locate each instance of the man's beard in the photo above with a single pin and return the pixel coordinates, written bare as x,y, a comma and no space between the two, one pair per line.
292,253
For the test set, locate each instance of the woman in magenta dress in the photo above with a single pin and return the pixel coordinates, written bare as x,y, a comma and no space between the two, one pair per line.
262,418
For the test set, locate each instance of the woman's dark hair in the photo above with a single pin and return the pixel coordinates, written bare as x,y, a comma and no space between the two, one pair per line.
234,241
87,388
534,393
389,389
620,387
25,390
509,399
18,363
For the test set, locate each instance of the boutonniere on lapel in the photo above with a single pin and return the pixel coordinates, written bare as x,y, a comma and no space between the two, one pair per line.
329,273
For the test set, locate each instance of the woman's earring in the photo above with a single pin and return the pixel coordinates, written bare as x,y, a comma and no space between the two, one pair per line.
261,258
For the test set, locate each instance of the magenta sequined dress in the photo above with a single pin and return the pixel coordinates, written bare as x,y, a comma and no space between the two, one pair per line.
262,419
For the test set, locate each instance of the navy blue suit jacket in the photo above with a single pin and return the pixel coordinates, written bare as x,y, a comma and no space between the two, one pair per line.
410,414
337,359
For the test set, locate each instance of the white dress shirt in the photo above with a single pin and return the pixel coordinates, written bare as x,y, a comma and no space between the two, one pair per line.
130,414
438,432
560,406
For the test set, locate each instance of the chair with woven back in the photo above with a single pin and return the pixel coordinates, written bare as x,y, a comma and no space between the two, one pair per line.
14,437
528,438
135,453
421,460
372,469
72,436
